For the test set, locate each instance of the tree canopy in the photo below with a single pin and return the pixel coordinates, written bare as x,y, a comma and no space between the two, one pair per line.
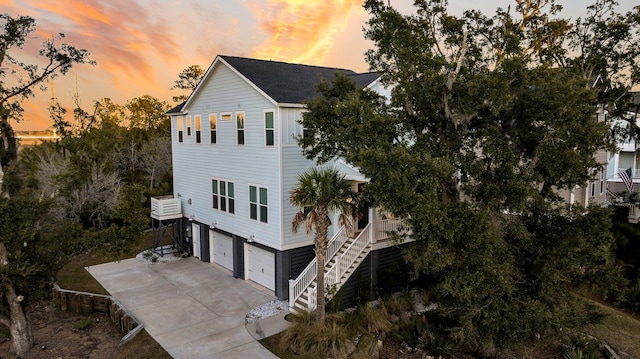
187,80
489,119
20,80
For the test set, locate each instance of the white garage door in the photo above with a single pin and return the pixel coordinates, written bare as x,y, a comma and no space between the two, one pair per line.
260,265
221,249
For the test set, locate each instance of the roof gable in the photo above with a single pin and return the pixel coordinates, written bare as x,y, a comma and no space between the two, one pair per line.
284,82
281,82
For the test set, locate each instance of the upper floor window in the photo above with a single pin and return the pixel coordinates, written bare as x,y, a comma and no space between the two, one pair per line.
240,127
268,128
223,196
258,209
602,171
198,124
188,125
226,116
180,121
213,127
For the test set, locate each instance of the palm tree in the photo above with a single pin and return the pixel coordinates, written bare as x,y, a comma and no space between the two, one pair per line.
321,191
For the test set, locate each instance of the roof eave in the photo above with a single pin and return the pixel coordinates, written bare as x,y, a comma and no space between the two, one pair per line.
288,104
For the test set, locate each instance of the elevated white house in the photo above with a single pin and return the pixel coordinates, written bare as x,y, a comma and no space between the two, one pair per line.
235,160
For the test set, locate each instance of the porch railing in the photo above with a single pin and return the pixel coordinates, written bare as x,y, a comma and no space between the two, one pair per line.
383,227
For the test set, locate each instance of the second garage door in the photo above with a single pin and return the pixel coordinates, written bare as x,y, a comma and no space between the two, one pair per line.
221,249
260,265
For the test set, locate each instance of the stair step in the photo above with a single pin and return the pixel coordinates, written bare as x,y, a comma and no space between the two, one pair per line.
303,301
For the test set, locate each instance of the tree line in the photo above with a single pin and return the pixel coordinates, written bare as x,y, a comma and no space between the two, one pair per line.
490,118
87,191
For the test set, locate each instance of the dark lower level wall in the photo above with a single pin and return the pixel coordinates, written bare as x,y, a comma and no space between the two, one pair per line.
288,264
362,286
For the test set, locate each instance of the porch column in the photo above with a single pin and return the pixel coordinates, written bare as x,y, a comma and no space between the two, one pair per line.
372,224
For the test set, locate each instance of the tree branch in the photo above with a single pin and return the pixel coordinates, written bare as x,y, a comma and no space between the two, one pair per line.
47,71
454,75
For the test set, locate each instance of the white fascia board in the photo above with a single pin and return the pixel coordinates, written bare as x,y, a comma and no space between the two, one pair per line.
291,105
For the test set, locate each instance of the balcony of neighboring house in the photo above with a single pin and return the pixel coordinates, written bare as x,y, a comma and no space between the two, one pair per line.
623,181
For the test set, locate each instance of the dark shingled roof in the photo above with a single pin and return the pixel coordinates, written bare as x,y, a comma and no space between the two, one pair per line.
363,80
176,110
290,83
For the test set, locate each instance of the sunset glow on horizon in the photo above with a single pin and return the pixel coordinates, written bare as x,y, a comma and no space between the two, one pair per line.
140,46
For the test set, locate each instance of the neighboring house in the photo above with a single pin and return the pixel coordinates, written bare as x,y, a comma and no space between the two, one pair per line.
235,160
595,191
625,158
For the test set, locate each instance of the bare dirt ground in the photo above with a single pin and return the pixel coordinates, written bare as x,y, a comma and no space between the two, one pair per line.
60,334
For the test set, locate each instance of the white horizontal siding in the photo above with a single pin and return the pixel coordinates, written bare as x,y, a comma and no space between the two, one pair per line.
253,163
293,163
291,127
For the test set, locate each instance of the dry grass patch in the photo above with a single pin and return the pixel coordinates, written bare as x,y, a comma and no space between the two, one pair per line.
74,276
619,329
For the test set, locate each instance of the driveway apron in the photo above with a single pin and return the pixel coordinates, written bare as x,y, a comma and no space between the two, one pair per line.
191,308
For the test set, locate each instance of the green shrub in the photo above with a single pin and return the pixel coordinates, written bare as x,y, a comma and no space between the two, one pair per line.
629,297
581,346
374,319
428,339
83,324
311,339
411,332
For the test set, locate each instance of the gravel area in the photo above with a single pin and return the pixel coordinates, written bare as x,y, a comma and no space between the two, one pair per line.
267,310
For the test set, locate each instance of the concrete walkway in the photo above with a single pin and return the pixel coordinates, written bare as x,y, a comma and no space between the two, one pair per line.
191,308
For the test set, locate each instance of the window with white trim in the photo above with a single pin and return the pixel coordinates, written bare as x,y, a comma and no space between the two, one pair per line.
213,128
188,125
269,132
258,210
180,121
240,127
223,195
226,116
198,124
602,171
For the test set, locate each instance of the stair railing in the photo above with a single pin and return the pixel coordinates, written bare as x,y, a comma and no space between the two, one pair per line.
346,259
308,275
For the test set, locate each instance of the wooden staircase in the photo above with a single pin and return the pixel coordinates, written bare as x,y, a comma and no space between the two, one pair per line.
344,255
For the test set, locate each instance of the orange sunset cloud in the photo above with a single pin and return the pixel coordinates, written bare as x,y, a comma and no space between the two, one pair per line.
301,30
140,47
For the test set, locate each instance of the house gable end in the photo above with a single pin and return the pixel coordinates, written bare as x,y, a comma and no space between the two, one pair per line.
209,74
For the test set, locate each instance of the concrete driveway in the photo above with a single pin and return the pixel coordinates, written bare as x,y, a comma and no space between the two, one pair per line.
191,308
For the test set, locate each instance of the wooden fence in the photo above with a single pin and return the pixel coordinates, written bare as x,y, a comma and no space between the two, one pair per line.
83,302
